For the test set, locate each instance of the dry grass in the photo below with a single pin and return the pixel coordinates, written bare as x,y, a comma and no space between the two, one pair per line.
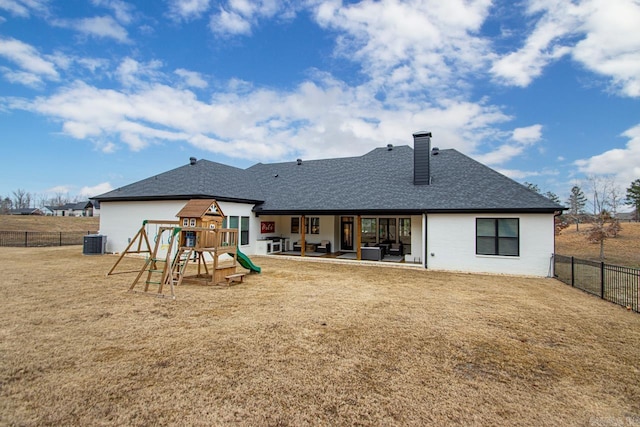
622,250
48,223
308,343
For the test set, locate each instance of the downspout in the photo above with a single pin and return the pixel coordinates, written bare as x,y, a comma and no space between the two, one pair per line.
424,239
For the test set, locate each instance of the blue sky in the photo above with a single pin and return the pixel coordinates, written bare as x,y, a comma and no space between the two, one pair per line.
96,94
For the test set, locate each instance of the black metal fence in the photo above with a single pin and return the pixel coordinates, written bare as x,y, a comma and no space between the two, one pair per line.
42,238
620,285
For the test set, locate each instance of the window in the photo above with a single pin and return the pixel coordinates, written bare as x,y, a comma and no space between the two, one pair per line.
369,230
498,236
241,224
295,225
387,230
404,234
315,225
244,230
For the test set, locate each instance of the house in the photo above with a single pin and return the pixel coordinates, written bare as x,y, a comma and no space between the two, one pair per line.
85,208
446,210
26,211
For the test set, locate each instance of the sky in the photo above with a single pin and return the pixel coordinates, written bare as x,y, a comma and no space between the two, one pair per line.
97,94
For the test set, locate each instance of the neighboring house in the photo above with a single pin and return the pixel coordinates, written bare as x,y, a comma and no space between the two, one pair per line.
86,208
26,211
448,211
627,216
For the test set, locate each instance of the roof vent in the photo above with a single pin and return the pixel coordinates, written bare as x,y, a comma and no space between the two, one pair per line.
299,161
435,151
192,160
389,147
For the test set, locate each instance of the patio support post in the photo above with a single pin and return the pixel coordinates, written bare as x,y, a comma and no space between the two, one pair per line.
303,238
358,237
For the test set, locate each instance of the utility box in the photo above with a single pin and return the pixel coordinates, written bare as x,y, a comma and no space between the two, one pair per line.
94,244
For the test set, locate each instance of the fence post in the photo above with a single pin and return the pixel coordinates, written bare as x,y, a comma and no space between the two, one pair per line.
572,274
61,238
602,280
26,239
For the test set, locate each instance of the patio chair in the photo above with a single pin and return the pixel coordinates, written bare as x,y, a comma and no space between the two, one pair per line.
324,246
395,249
297,246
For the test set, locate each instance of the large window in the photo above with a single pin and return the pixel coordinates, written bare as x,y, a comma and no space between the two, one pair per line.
498,236
295,225
312,225
387,230
242,224
244,230
369,230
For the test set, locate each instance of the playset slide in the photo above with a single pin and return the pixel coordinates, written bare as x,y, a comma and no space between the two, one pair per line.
244,261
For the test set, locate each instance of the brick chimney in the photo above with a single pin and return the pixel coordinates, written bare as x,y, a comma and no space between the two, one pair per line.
421,151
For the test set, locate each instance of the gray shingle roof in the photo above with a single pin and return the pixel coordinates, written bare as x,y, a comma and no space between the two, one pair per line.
204,179
379,181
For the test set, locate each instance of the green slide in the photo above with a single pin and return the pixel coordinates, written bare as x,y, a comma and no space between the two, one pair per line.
244,261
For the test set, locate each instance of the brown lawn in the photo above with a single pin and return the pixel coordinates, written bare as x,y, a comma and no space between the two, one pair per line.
308,343
622,250
48,223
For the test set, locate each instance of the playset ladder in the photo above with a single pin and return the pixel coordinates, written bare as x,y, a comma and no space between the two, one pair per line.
161,271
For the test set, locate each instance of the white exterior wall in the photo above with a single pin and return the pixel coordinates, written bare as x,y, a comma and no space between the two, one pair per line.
451,245
416,254
120,221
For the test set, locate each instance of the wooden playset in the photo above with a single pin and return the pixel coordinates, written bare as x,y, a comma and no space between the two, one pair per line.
197,236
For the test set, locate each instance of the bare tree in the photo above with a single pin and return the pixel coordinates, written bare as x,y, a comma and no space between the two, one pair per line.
6,205
59,199
21,199
605,200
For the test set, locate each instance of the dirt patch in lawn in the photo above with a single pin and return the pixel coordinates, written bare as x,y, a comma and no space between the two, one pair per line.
308,343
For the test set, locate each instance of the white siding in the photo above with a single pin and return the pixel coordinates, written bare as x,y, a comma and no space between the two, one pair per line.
451,243
120,221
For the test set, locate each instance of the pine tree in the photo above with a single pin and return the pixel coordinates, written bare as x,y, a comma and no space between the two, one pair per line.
633,198
577,202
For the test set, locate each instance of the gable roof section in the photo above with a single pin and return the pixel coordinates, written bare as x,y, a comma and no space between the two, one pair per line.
380,181
203,179
198,208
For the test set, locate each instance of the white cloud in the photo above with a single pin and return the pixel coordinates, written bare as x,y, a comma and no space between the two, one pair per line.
521,140
187,9
411,45
122,10
237,17
527,135
95,190
27,58
599,34
101,27
192,78
23,8
623,163
225,22
321,118
131,72
612,43
22,77
59,189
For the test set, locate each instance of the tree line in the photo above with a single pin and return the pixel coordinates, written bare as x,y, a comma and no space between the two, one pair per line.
606,199
21,199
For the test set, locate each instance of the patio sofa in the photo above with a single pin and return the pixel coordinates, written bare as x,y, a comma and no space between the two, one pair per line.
371,253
